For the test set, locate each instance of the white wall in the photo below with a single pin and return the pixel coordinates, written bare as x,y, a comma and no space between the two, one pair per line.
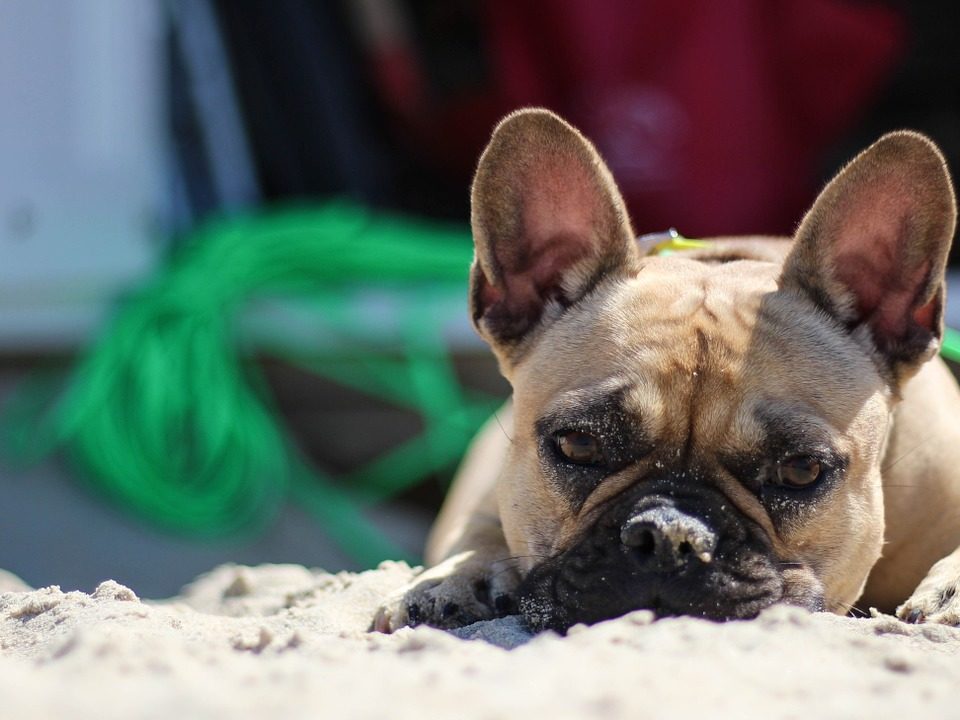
82,152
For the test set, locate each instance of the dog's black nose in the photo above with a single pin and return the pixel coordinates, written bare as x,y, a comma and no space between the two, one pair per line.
668,538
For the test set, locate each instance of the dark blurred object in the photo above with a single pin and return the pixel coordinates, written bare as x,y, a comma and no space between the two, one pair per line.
306,101
924,93
346,98
716,117
214,164
428,61
712,115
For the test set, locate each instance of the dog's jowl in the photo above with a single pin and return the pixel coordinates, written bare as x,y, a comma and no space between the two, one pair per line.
709,432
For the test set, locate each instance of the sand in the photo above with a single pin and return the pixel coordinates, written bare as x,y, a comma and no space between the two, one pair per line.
282,641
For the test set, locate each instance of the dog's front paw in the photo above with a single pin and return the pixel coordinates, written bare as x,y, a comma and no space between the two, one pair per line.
461,590
937,598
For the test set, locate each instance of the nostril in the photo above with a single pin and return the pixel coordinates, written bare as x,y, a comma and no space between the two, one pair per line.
641,538
684,549
646,543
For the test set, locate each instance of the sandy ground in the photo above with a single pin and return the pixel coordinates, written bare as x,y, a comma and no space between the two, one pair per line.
283,641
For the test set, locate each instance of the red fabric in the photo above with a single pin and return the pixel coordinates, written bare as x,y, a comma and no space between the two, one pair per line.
714,116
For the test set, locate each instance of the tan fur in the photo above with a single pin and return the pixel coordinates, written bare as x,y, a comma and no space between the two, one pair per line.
920,488
703,340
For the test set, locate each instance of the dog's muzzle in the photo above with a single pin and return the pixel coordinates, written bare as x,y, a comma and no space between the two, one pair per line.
662,546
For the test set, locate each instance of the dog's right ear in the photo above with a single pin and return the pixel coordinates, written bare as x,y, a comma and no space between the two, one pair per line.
548,224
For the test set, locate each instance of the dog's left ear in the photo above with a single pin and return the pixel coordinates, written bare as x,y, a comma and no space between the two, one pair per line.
873,249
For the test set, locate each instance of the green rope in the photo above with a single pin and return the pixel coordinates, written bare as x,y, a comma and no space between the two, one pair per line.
950,348
166,417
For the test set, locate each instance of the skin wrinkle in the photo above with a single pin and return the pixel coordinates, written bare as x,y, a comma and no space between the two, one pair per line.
696,386
711,348
740,496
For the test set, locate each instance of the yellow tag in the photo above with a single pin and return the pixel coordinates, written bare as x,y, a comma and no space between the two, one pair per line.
677,243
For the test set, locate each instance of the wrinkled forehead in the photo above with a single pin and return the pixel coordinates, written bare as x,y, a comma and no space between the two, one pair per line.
655,322
717,339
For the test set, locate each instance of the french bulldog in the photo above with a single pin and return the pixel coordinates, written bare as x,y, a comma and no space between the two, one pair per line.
707,432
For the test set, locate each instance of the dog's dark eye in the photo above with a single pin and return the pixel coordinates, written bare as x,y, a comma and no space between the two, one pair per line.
798,472
579,447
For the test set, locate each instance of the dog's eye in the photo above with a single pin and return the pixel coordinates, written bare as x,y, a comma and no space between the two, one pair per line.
798,472
579,447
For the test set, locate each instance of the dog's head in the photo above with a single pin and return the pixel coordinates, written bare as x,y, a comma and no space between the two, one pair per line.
699,434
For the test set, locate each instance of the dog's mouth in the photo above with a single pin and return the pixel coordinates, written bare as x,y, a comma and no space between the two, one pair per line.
671,555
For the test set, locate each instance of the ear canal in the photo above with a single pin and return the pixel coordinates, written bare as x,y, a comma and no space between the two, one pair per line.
548,224
872,250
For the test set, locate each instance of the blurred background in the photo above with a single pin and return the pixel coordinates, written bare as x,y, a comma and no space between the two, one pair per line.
234,242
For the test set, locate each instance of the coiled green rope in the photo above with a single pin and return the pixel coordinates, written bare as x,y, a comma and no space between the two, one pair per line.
167,414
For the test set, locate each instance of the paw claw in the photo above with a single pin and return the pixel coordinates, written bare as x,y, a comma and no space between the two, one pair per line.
936,601
413,615
504,605
449,610
381,622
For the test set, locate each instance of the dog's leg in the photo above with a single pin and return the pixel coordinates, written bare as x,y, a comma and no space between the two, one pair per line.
473,577
922,502
937,598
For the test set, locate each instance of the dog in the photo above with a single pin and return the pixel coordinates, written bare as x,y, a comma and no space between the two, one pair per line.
708,432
